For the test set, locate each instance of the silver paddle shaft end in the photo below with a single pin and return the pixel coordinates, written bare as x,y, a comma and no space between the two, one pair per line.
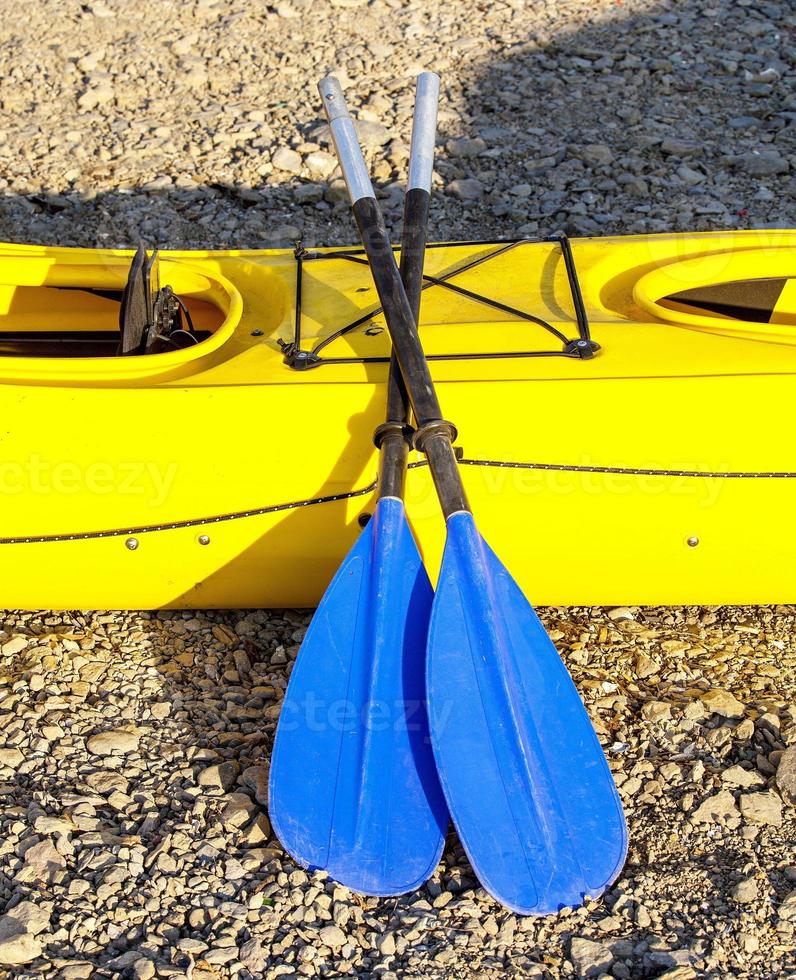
344,137
424,131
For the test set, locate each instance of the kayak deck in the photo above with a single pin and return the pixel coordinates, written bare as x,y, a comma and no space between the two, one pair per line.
484,302
676,437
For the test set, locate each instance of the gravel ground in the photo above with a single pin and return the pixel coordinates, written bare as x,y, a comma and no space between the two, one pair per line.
135,746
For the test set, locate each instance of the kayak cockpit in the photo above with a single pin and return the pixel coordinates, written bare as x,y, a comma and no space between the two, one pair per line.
746,292
107,308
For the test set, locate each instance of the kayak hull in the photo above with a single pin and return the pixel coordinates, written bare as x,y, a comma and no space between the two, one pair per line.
659,471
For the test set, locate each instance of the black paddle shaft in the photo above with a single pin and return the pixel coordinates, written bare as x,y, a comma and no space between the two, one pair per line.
434,435
392,437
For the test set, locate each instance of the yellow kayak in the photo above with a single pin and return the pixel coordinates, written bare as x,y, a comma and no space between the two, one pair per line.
623,408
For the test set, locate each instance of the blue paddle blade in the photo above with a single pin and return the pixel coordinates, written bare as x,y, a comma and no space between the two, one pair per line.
526,780
353,786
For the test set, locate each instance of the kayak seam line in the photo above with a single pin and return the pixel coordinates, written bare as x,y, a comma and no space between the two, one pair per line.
364,491
628,470
192,522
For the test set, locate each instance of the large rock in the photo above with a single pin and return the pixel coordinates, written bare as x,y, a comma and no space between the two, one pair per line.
720,806
20,949
42,863
25,917
15,645
223,775
722,703
786,774
117,741
766,163
589,958
11,758
765,808
256,778
738,776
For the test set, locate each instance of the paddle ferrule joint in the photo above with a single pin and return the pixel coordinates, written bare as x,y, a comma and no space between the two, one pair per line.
403,429
434,427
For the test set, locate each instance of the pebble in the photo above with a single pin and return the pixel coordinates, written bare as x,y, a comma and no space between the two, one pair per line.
254,956
681,147
333,937
745,891
320,164
143,969
646,666
372,135
623,613
597,154
787,908
466,189
287,160
24,917
656,711
465,146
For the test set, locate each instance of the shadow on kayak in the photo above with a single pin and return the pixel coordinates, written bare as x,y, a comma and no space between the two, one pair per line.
308,542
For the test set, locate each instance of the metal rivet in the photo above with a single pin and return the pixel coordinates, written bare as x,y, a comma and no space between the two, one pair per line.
256,333
692,542
131,544
203,539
